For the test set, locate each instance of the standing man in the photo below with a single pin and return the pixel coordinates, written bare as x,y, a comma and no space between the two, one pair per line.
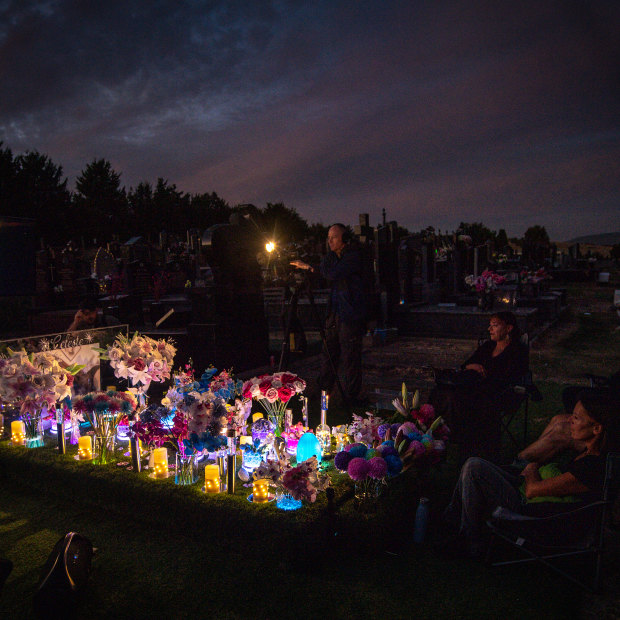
346,320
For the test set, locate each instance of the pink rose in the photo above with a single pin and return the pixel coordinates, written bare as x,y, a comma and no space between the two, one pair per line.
271,395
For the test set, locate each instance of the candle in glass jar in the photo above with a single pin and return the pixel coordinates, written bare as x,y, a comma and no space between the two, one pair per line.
18,432
160,462
85,447
260,491
212,479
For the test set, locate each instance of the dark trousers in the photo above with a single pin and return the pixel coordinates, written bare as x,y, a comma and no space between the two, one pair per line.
344,342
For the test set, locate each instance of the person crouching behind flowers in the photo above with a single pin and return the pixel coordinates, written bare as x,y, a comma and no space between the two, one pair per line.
483,486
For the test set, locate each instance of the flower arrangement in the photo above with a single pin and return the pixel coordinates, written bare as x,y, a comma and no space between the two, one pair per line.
292,436
486,282
364,430
304,481
273,392
140,360
534,276
34,383
104,411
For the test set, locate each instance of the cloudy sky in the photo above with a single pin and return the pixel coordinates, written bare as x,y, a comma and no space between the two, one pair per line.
438,111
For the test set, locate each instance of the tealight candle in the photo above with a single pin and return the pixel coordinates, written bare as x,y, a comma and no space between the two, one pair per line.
260,491
245,439
18,433
85,448
257,416
160,462
212,479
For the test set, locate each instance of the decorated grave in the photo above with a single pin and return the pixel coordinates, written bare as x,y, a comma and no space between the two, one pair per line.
229,444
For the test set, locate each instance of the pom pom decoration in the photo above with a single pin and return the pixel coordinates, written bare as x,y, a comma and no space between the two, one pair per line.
358,450
358,469
394,465
378,468
342,460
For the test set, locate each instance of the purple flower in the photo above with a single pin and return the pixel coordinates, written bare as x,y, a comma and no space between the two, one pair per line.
418,448
342,460
388,450
382,430
377,468
408,427
358,469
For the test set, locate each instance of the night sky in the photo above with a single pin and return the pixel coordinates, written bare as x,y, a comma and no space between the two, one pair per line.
496,111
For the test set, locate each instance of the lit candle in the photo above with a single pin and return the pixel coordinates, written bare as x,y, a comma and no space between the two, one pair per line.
260,491
245,439
160,462
212,479
257,416
85,448
18,433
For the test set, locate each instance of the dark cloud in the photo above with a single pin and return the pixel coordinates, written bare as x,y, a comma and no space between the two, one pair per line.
439,112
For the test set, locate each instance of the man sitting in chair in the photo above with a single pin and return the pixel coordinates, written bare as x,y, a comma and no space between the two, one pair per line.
538,491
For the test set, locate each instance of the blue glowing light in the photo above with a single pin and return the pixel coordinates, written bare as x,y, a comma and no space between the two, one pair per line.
308,447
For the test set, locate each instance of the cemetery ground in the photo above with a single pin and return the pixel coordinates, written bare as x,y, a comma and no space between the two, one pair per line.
234,560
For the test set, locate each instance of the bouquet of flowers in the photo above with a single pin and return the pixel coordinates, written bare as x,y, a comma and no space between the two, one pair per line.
140,360
534,276
365,430
486,282
104,411
273,392
302,482
34,382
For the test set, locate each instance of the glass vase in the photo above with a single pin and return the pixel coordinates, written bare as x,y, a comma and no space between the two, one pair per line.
75,432
285,501
103,449
34,431
185,469
366,494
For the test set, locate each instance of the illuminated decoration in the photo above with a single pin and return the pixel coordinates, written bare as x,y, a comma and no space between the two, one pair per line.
260,491
18,433
323,432
270,246
308,447
85,448
285,501
122,432
212,479
160,463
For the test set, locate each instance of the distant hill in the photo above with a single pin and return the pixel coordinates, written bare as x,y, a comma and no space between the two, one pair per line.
602,239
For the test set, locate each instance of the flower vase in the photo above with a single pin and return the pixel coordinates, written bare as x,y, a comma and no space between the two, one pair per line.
75,433
103,450
366,494
34,431
485,301
285,501
185,470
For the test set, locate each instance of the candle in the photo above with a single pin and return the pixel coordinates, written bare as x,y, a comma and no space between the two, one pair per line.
260,491
245,439
160,462
257,416
18,433
85,448
212,479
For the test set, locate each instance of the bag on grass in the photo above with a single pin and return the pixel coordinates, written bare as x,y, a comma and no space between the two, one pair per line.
64,574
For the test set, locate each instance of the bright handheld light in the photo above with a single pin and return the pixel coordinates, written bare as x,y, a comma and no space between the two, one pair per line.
270,246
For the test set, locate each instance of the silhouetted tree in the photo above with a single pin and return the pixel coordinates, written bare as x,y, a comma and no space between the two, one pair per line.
100,203
478,232
284,224
41,193
536,244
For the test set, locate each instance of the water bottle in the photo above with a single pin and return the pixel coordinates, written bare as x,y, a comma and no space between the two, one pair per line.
421,521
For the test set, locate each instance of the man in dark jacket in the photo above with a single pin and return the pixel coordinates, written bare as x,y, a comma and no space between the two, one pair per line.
345,324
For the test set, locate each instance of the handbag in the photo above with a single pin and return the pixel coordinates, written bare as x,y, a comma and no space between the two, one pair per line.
64,575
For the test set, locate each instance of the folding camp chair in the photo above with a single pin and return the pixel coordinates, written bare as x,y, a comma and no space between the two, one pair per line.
577,532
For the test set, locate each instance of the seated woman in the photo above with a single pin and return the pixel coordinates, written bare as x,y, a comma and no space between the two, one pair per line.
471,400
483,486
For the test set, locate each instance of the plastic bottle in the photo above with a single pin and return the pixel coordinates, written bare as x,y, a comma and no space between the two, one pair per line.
421,521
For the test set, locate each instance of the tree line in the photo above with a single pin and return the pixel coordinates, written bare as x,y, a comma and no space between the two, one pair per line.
100,209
